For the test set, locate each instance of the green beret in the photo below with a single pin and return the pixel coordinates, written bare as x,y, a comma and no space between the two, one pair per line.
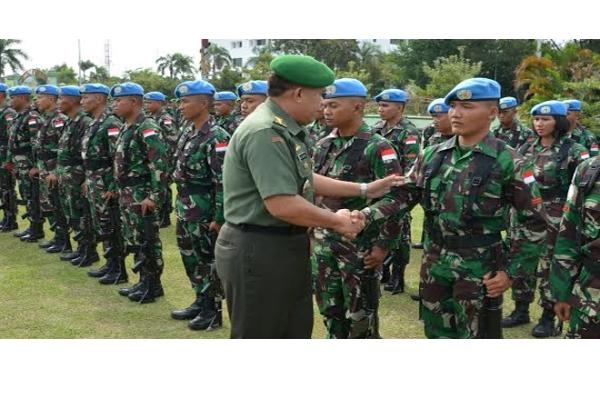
302,70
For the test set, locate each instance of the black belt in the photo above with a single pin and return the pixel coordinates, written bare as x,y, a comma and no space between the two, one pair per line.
270,230
465,241
69,163
552,194
22,151
190,189
97,164
128,181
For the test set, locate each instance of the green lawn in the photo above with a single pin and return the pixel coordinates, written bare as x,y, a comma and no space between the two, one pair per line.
42,297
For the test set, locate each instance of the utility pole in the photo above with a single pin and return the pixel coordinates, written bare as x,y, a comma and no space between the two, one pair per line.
107,61
204,62
79,61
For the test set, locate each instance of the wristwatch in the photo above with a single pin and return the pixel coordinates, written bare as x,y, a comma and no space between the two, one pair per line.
363,190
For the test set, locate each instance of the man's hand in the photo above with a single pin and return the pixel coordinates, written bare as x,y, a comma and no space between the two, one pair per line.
380,187
33,172
349,223
563,311
213,226
147,205
52,180
375,257
109,195
84,189
498,284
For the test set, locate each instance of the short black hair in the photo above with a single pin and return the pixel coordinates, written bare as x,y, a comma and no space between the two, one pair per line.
278,86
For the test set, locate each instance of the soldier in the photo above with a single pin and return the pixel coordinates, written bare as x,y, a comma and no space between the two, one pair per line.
69,174
20,141
252,94
227,117
154,105
404,136
199,202
318,129
575,271
438,110
262,251
465,185
555,158
97,148
341,268
578,132
8,197
510,129
140,173
44,150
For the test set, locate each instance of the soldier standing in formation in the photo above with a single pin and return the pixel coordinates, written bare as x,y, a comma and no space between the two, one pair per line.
511,130
8,197
252,94
227,116
578,132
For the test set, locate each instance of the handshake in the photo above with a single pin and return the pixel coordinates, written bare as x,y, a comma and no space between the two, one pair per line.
349,223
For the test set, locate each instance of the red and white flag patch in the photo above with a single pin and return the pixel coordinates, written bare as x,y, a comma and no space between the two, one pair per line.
411,140
536,201
32,121
59,123
168,122
148,132
221,147
113,131
595,147
528,177
388,155
585,155
9,118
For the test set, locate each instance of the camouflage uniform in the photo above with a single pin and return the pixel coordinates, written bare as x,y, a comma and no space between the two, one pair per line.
575,271
466,194
437,138
405,138
229,122
553,168
585,138
515,136
338,270
316,131
20,141
140,172
198,175
427,133
8,197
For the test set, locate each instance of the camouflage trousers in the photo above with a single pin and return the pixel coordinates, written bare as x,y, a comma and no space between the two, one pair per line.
8,196
452,291
98,206
337,268
133,222
49,206
71,198
401,255
25,184
196,246
582,326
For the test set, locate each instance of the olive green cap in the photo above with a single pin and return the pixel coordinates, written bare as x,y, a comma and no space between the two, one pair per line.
302,70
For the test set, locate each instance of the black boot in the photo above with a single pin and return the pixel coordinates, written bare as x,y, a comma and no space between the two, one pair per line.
149,290
59,244
191,311
209,318
22,233
546,326
10,224
73,254
396,283
417,245
115,275
385,273
44,244
520,315
88,256
37,232
126,291
415,297
100,272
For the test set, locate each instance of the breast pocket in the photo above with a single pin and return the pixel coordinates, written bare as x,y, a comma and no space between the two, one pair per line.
488,202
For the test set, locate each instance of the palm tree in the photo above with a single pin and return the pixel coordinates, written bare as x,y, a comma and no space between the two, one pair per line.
368,53
176,64
85,65
218,57
11,56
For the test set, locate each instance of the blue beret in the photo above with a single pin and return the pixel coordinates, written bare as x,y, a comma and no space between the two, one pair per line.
438,106
573,104
345,87
225,96
253,87
126,89
191,88
474,89
155,96
507,102
393,95
3,87
88,88
47,89
70,91
21,89
552,107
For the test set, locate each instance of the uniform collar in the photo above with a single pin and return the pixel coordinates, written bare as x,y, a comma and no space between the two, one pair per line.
487,146
291,125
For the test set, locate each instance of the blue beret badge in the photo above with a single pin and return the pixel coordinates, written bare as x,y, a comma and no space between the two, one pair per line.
464,94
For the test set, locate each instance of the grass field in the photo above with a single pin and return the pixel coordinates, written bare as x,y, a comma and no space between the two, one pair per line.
42,297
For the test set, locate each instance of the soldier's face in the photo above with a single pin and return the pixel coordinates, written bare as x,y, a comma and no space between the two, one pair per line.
441,122
249,102
193,106
90,102
470,118
152,106
44,102
572,116
224,108
341,111
66,104
544,125
2,98
506,117
124,106
389,110
19,102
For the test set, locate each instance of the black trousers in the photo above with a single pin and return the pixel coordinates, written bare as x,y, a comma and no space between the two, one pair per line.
267,282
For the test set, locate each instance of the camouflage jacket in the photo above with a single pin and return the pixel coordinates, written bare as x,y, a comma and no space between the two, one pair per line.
515,136
98,146
22,135
45,146
406,140
427,132
575,271
7,116
68,156
437,138
316,131
363,157
169,130
198,173
585,138
140,156
229,122
462,212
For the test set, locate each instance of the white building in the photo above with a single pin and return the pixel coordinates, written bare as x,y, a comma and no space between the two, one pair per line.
243,49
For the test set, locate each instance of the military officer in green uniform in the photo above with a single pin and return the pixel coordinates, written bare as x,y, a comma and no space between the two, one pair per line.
227,116
8,197
511,130
252,94
262,251
577,131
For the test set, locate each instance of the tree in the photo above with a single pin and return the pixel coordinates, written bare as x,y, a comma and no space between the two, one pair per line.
227,79
446,72
65,75
177,65
85,65
100,74
11,56
218,57
258,67
151,81
336,53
